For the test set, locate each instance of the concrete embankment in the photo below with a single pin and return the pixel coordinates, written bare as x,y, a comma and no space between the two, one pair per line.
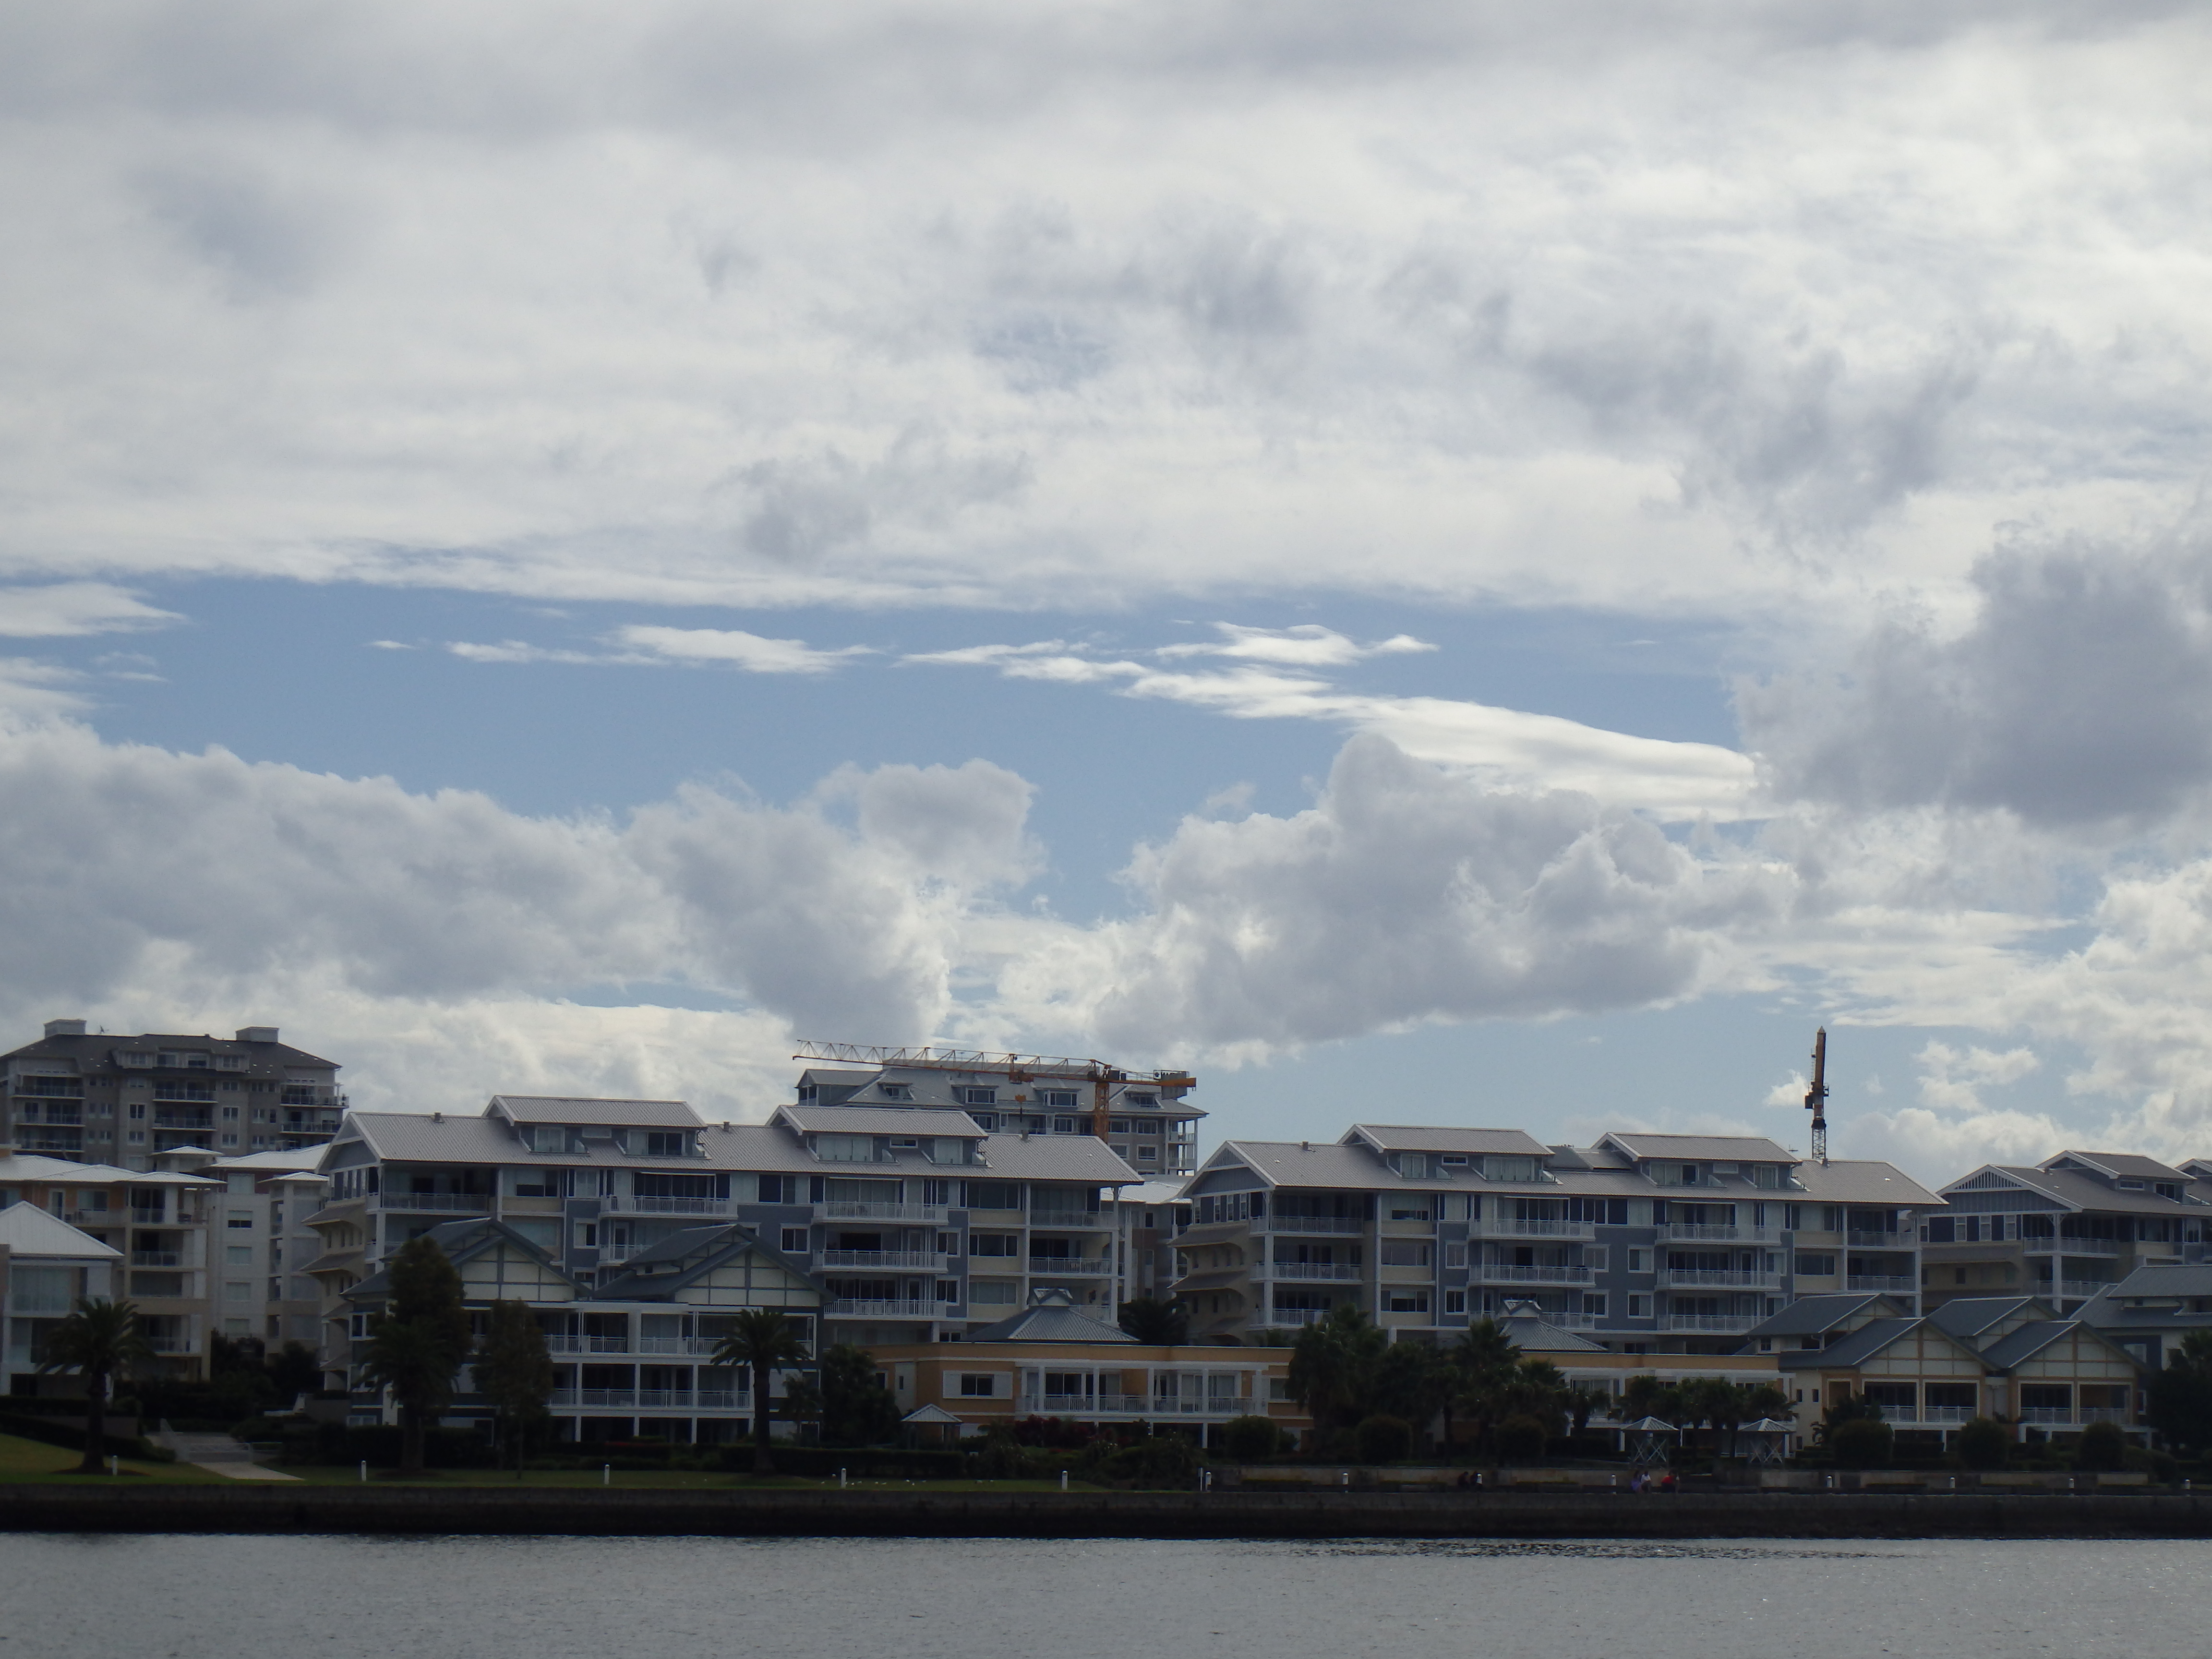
59,1507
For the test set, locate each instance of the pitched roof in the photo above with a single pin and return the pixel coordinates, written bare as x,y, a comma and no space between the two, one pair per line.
2186,1279
1739,1149
2069,1188
680,1258
629,1114
1534,1333
1053,1317
1416,1137
27,1230
1970,1316
1862,1344
880,1121
26,1166
1810,1316
461,1241
1864,1180
2132,1164
262,1059
2027,1342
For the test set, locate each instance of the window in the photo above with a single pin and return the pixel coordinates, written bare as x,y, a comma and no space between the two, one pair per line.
974,1386
238,1220
895,1091
1594,1304
1407,1302
1409,1209
1140,1100
230,1114
1057,1098
779,1190
237,1290
994,1244
973,1096
1119,1126
1148,1126
1455,1302
948,1290
992,1293
666,1143
994,1194
1404,1253
986,1121
1639,1307
948,1243
1639,1261
845,1149
1063,1126
1815,1264
238,1255
793,1242
1455,1256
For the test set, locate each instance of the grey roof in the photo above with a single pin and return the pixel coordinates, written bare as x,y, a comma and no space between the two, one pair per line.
1415,1138
459,1240
1534,1333
681,1257
2132,1164
96,1047
29,1166
1053,1318
1809,1315
880,1121
627,1114
2190,1279
2072,1189
1970,1316
1325,1163
1853,1181
2027,1342
27,1230
1861,1344
1740,1149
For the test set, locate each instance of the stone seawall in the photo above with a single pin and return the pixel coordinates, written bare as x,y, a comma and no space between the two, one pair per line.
480,1510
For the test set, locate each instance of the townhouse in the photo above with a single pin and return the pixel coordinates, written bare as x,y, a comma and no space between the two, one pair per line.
2153,1308
1995,1357
106,1098
632,1349
1647,1244
2063,1230
45,1266
918,1222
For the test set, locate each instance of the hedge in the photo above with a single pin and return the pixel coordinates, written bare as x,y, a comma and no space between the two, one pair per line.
861,1462
71,1436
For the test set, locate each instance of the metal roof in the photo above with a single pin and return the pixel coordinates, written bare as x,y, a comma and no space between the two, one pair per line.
2071,1188
1858,1347
1414,1138
1810,1316
880,1121
2132,1164
623,1114
1738,1149
1853,1181
1970,1316
2188,1279
1534,1333
27,1230
1328,1163
60,1172
2027,1342
1052,1318
96,1047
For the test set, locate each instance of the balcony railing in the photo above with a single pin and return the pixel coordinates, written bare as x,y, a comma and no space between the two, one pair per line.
173,1345
929,1260
157,1259
39,1140
1515,1227
1884,1282
1297,1315
1309,1270
1729,1324
695,1347
1132,1405
464,1203
1947,1413
714,1207
1079,1221
1308,1224
1860,1240
2102,1414
2077,1289
861,1210
2047,1416
865,1307
1500,1273
1724,1277
1068,1266
588,1344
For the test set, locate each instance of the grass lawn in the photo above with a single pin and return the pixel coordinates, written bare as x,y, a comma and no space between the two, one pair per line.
22,1461
656,1480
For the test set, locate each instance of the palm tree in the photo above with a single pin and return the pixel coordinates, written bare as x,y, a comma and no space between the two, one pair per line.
417,1361
1483,1362
1160,1324
760,1339
101,1339
1332,1367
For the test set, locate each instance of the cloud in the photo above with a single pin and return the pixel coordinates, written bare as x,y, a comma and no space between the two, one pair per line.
1307,645
2077,694
64,610
1952,1080
737,649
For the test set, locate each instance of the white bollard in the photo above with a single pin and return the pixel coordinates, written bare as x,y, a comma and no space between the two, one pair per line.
114,1464
1344,1477
1063,1479
606,1474
841,1480
364,1471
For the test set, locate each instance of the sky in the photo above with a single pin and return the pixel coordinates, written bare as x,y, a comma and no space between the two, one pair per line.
1432,563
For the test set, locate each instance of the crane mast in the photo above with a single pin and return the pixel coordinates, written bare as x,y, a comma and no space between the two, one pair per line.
1816,1096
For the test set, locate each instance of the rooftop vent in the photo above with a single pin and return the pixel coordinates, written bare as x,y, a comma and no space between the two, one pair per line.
257,1034
64,1028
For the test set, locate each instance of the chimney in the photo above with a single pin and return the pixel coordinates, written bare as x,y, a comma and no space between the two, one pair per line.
437,1117
64,1028
257,1034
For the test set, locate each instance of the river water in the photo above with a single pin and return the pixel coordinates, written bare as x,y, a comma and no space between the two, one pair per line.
314,1597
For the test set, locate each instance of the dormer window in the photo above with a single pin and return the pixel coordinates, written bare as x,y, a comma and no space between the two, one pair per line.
1414,1166
1056,1097
1138,1100
662,1143
1454,1160
906,1145
896,1090
845,1149
808,1093
970,1095
1689,1175
2169,1190
2129,1184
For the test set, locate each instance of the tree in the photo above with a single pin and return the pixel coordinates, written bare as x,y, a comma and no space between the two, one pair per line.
803,1404
100,1339
1333,1366
419,1341
2102,1446
1483,1364
1157,1323
2181,1396
294,1371
1861,1443
1982,1445
1520,1439
515,1371
1842,1409
1250,1438
761,1340
857,1409
1384,1439
1414,1381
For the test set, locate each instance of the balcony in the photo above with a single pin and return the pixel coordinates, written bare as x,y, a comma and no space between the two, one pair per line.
31,1111
2047,1416
157,1259
1887,1284
2075,1290
862,1308
860,1210
1131,1405
38,1141
196,1121
172,1344
1297,1315
1726,1278
1307,1270
1500,1272
709,1206
1074,1221
1880,1240
1711,1324
461,1203
1069,1267
1717,1230
1309,1224
2048,1246
1947,1415
1514,1227
588,1344
2089,1415
692,1347
927,1261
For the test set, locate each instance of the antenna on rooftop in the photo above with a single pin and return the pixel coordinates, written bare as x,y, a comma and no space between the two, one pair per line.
1816,1096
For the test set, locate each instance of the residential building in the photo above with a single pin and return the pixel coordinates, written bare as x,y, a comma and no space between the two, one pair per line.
1055,1359
262,1288
2064,1230
2149,1311
1143,1116
630,1351
1973,1357
45,1266
917,1221
161,1221
1645,1243
122,1100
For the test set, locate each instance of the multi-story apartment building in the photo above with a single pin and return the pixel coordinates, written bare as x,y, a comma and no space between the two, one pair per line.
1143,1116
123,1100
46,1266
257,1280
161,1221
628,1350
2064,1230
917,1221
1648,1244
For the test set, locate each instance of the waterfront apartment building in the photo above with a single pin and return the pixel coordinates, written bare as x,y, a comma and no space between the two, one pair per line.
1144,1117
124,1100
2064,1230
46,1266
257,1277
160,1222
1645,1243
1998,1357
630,1350
917,1222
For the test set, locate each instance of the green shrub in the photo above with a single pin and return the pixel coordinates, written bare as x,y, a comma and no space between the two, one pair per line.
1982,1445
2102,1446
1863,1442
1250,1438
1384,1439
2159,1466
1520,1439
1163,1460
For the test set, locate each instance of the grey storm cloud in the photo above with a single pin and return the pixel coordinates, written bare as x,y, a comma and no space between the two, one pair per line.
2080,694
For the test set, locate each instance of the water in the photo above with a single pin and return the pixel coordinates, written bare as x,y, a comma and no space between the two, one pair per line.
87,1597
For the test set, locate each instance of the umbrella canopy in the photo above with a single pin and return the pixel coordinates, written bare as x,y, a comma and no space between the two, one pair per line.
1650,1425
